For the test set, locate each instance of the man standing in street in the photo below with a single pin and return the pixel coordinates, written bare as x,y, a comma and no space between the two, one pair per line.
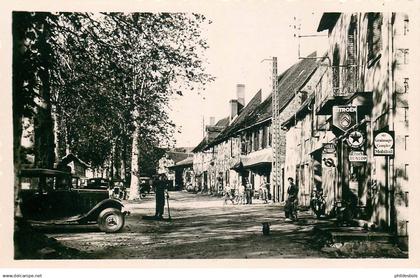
248,191
291,202
160,188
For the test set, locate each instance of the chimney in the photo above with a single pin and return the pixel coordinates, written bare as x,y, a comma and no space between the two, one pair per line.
212,121
234,107
240,94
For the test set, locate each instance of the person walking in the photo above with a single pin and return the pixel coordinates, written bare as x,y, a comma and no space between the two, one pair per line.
248,192
291,202
160,190
264,190
227,194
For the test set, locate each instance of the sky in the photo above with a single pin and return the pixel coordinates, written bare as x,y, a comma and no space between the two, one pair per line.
242,39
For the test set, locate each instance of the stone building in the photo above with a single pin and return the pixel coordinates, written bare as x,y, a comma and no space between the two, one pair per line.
169,159
184,174
243,150
202,155
357,115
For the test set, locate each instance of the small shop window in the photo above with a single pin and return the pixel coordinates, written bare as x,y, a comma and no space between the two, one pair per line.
406,22
374,36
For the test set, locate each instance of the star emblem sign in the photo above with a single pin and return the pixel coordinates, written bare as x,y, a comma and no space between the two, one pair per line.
355,139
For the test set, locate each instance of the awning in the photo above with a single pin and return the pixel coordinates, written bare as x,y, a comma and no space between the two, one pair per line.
188,162
238,166
257,158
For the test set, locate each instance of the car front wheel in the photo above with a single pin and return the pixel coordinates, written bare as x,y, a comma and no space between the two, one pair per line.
111,220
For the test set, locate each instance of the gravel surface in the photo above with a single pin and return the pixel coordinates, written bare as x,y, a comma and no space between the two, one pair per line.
202,227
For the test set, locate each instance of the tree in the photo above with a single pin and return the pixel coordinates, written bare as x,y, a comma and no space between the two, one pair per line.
110,77
32,56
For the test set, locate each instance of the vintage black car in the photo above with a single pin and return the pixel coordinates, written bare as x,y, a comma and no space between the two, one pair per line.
48,197
98,183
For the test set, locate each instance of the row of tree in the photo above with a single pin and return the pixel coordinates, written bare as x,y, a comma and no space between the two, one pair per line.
98,85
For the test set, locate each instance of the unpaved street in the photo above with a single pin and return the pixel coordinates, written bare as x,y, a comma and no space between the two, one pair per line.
201,227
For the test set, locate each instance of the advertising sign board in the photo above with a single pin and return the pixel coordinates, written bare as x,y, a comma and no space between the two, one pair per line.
357,156
344,117
355,139
383,143
328,148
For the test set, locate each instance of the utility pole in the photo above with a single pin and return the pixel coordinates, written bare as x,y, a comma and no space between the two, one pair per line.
276,171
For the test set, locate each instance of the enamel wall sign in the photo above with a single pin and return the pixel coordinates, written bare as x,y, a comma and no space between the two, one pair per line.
383,143
344,117
355,139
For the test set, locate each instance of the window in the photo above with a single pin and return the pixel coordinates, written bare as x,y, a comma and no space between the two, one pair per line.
336,71
406,85
406,25
264,137
249,142
256,140
243,144
374,35
405,51
351,70
351,42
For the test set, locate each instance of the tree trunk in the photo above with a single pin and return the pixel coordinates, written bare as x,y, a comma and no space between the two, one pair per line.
18,103
123,159
135,174
44,127
117,159
59,133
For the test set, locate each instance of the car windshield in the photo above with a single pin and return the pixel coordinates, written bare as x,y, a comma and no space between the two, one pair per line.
97,183
45,184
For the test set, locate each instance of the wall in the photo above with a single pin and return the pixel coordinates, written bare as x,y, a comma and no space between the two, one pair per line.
385,78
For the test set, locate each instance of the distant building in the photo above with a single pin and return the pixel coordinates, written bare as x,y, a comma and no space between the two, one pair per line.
184,173
203,155
169,159
76,166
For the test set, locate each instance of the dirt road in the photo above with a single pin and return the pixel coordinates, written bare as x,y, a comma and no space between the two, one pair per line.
201,227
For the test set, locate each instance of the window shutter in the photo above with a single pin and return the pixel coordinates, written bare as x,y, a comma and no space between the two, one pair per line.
374,34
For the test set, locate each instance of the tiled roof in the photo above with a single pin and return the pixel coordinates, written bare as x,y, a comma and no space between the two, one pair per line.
71,157
294,78
289,82
241,120
222,123
201,145
261,113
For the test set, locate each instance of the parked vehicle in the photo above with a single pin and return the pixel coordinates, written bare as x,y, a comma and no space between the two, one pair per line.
344,213
118,189
48,197
98,183
318,203
145,186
